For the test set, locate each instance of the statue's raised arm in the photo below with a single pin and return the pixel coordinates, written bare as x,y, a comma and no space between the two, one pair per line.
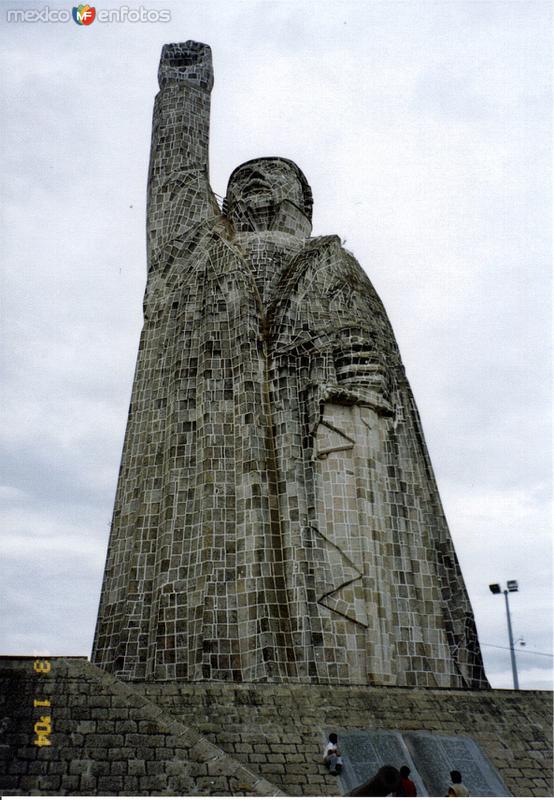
179,194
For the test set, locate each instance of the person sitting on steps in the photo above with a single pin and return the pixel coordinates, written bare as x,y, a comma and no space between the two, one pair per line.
331,755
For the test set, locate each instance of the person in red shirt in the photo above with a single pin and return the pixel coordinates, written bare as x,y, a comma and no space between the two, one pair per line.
408,787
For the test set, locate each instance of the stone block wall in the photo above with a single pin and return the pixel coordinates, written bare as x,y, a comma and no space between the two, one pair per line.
99,736
279,731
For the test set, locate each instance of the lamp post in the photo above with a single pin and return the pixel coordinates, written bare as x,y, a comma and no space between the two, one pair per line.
511,586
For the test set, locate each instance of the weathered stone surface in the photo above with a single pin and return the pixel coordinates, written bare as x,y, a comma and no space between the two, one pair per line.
276,516
506,725
77,759
253,753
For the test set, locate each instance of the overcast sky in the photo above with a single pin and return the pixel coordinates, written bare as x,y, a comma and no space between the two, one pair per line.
424,130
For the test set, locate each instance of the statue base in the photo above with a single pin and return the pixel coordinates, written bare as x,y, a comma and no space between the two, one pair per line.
70,728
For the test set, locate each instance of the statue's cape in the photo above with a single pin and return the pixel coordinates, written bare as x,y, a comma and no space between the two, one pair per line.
219,553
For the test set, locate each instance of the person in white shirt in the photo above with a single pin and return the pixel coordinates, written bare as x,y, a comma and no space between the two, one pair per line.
457,788
331,755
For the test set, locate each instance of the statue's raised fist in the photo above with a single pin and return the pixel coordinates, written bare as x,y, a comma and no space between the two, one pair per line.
190,62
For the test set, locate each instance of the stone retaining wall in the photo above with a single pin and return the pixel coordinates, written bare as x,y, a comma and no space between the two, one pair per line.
100,736
279,731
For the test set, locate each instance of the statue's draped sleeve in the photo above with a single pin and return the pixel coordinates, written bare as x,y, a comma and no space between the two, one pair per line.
179,194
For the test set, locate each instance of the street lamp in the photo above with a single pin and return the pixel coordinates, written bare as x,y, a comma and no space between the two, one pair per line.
512,586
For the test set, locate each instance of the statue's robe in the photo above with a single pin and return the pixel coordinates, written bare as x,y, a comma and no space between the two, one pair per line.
277,517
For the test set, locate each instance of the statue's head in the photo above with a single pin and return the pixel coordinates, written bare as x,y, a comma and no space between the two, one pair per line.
269,193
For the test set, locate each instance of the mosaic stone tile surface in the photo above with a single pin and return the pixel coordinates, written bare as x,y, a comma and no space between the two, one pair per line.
277,517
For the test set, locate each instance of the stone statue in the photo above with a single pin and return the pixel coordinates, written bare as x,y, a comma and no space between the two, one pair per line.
276,517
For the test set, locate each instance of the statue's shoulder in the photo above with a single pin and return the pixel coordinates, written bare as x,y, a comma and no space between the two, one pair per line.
332,243
329,249
318,243
326,261
322,259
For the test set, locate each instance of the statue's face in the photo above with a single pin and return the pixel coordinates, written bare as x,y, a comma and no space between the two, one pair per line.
258,190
